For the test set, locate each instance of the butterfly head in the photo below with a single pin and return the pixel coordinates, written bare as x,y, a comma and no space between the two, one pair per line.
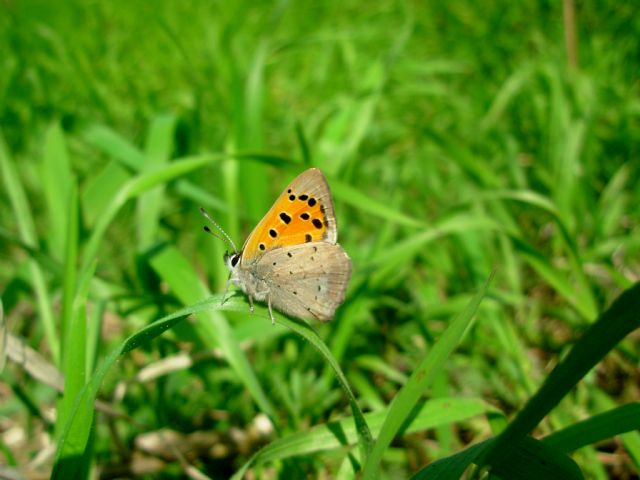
231,260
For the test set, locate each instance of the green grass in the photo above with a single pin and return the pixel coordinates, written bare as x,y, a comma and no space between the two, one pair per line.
457,140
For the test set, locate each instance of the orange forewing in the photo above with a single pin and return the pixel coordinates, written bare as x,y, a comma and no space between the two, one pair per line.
302,213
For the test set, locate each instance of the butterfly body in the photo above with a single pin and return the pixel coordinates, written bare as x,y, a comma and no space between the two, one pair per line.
292,260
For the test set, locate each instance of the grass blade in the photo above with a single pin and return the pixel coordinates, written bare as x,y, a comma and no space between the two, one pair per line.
426,415
420,379
158,150
72,329
365,203
56,180
27,230
135,187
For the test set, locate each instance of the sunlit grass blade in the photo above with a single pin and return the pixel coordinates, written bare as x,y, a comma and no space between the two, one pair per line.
56,180
429,414
407,397
158,149
622,317
24,221
115,145
72,328
135,187
100,189
405,249
508,91
248,131
365,203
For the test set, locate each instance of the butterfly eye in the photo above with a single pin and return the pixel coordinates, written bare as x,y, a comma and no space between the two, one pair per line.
234,260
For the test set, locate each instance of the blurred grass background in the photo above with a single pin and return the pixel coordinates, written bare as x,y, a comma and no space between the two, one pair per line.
457,137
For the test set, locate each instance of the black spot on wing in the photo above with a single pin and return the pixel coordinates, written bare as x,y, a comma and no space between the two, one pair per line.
285,218
304,216
317,223
303,197
307,238
312,202
273,233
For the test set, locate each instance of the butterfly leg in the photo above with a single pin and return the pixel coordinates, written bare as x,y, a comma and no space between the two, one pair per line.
226,290
250,303
273,320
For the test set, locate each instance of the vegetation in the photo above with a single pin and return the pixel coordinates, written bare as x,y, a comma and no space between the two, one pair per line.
483,159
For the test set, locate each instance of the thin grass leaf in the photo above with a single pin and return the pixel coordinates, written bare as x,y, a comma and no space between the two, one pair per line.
404,250
557,279
158,149
56,181
426,415
135,187
27,230
365,203
72,444
211,328
100,189
116,146
629,440
508,91
72,328
406,399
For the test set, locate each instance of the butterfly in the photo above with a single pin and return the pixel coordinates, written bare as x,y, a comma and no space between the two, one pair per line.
291,260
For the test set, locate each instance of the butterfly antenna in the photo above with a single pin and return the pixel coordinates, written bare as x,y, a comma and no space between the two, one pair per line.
225,237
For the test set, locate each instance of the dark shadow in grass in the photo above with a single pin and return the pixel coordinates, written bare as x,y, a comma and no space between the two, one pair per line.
338,432
76,466
415,411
